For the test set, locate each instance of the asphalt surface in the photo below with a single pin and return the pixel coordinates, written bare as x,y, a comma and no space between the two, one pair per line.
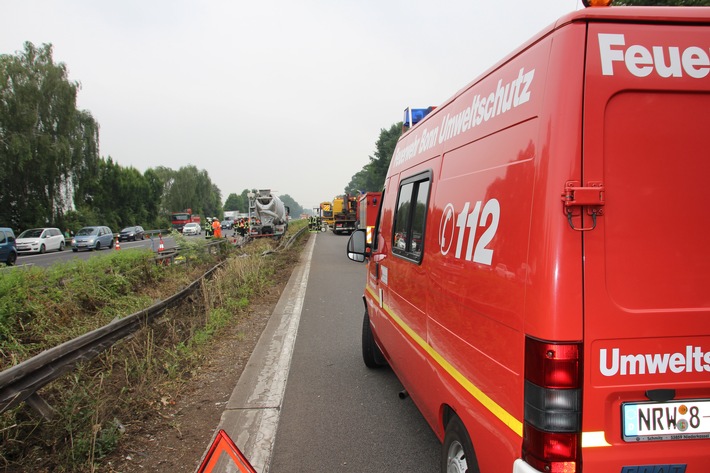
307,402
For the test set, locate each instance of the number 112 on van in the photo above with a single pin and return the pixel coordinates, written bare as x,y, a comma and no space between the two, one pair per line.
463,228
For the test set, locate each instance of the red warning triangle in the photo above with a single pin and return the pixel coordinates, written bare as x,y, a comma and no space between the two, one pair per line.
222,452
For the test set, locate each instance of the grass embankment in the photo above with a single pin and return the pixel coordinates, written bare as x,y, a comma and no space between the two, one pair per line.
43,307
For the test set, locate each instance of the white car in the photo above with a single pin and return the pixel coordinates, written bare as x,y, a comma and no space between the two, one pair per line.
39,240
192,229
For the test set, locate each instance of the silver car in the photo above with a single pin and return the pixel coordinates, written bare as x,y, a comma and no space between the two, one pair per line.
92,238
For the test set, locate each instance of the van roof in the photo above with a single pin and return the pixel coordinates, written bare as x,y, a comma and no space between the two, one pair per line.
592,14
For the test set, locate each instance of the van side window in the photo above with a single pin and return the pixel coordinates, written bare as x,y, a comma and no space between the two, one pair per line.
2,237
410,219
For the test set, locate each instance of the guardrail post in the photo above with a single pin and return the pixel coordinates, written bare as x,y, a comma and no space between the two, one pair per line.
40,406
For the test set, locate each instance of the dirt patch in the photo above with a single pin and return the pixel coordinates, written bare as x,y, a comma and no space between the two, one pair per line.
175,437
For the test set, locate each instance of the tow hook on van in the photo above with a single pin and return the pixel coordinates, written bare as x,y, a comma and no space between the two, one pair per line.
403,394
590,196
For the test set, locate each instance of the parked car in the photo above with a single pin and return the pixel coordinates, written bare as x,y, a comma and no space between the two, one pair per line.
8,251
132,233
192,229
39,240
92,238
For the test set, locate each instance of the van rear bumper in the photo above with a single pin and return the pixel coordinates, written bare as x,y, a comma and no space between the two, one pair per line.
519,466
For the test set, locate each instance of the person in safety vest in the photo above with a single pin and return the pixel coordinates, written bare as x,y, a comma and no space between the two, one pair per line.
242,227
217,228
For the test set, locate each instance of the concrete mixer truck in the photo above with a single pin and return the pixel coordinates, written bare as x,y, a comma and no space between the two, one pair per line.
268,216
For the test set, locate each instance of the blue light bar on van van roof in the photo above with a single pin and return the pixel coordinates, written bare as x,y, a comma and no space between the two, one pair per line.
412,116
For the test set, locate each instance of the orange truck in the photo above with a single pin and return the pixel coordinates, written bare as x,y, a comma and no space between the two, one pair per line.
345,214
326,213
538,276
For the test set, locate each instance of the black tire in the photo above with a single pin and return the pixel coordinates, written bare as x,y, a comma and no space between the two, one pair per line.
61,246
42,249
11,259
371,353
75,250
457,454
98,246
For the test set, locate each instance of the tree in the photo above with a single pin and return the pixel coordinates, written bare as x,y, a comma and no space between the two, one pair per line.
46,144
653,3
117,197
239,203
232,203
294,208
371,178
189,188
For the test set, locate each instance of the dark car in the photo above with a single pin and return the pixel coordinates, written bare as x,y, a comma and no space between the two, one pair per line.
132,233
8,250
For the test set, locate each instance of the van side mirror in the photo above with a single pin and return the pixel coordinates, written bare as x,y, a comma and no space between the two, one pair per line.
357,246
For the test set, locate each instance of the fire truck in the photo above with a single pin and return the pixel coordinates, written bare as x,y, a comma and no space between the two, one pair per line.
179,219
345,214
368,206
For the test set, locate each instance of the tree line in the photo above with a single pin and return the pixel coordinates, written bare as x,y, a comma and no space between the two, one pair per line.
371,178
52,173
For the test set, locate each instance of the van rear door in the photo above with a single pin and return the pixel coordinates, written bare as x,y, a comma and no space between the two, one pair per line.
646,142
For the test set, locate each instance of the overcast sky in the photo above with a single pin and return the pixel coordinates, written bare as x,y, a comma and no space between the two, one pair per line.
289,95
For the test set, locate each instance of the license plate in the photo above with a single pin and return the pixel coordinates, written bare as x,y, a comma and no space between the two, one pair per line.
675,420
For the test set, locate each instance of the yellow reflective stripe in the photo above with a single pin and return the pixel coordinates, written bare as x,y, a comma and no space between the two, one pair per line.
589,439
514,424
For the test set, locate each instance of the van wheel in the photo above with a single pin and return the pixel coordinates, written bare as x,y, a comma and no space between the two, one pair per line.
371,354
11,258
457,455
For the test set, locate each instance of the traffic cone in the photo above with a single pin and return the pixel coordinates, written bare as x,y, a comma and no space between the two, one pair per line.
118,245
161,247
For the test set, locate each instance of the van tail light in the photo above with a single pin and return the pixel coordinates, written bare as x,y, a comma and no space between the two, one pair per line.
553,406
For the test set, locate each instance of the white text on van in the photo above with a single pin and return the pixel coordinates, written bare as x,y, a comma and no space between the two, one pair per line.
667,61
693,360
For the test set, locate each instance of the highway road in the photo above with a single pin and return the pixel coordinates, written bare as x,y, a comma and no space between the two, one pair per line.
50,258
338,415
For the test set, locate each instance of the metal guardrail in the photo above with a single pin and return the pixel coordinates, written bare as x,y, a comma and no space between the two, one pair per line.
21,382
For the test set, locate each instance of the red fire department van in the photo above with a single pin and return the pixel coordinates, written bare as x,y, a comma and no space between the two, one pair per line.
539,276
